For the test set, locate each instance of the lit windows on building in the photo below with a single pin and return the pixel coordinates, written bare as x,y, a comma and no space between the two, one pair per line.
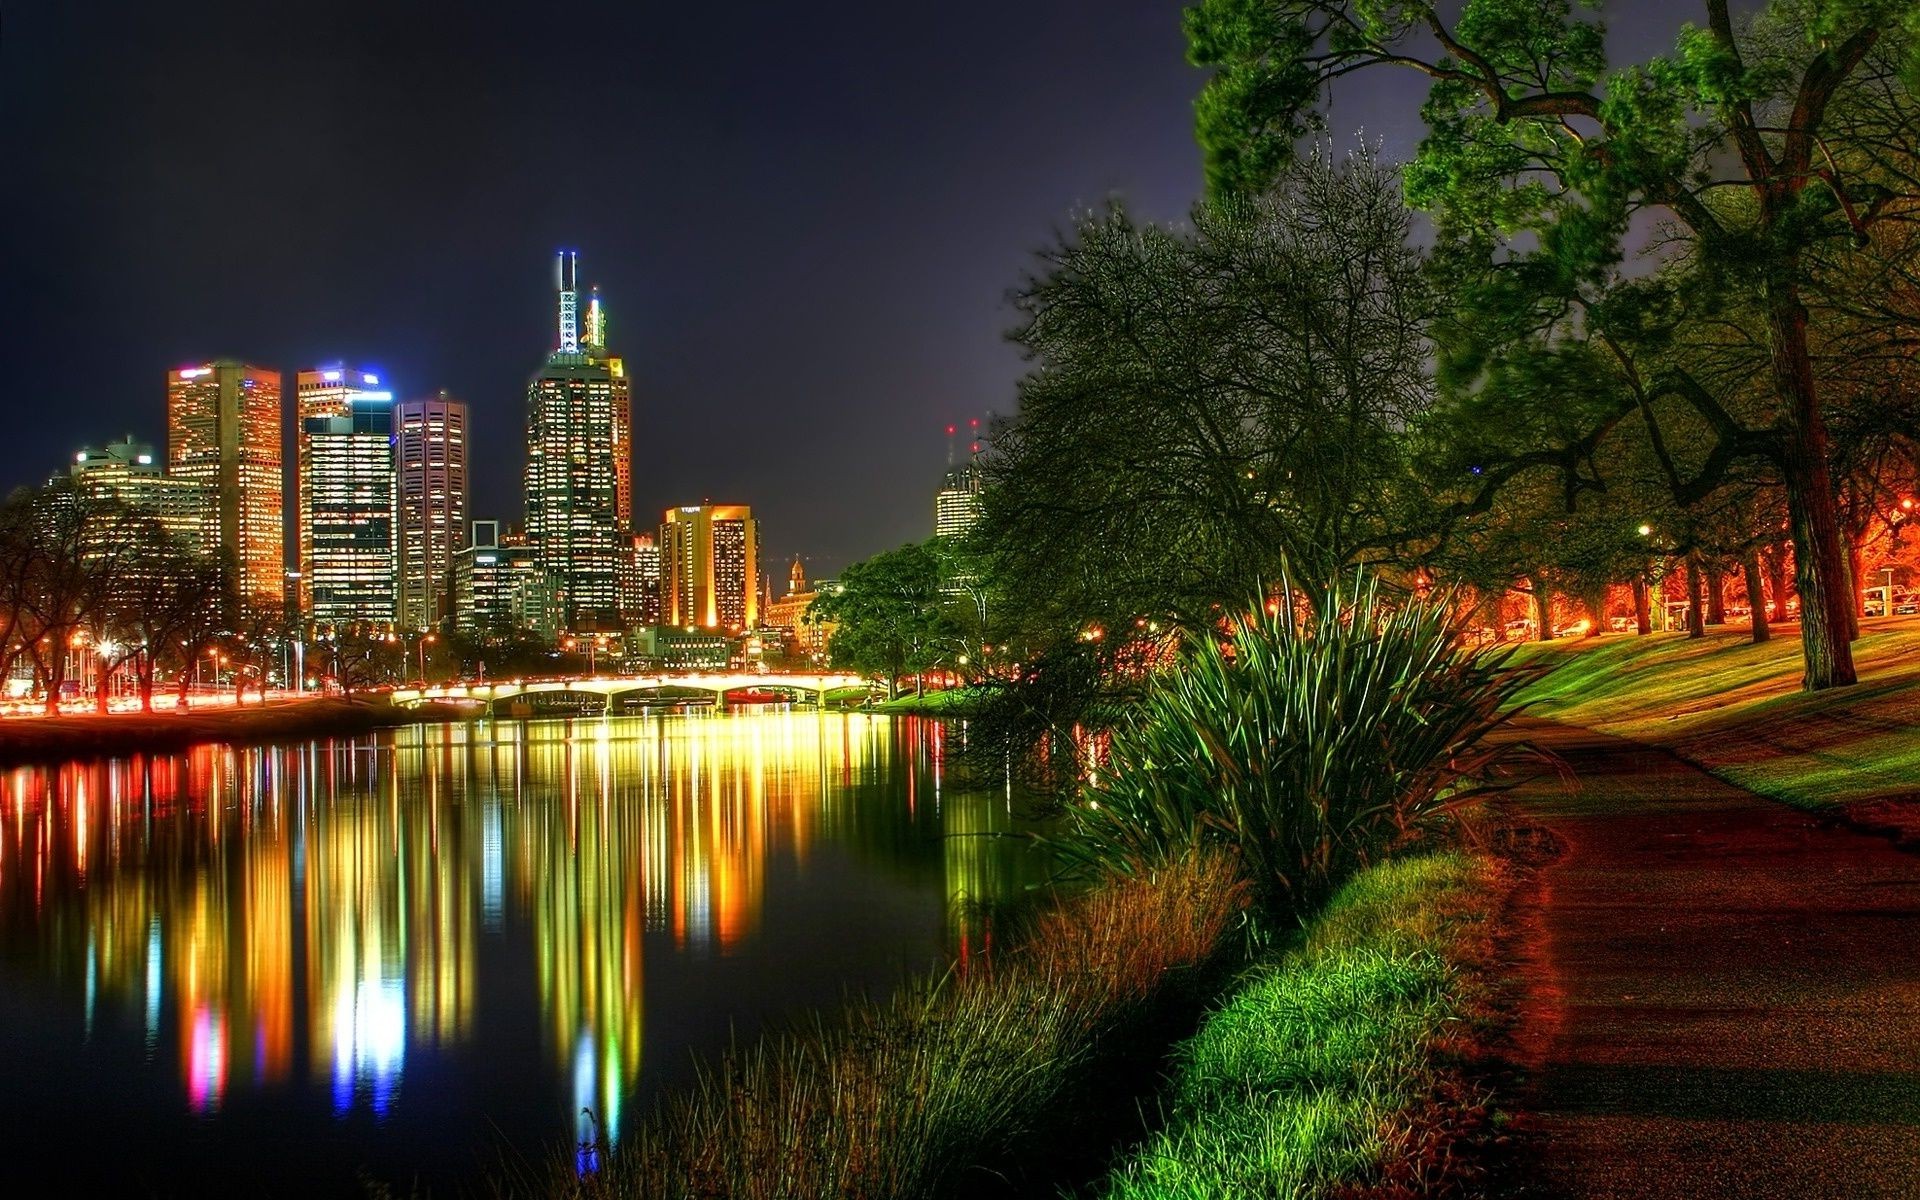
346,491
223,432
709,567
430,452
130,473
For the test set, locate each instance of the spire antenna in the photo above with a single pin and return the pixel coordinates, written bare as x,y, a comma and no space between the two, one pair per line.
567,277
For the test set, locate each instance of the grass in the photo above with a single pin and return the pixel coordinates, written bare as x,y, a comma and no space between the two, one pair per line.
1322,1072
946,702
1736,709
903,1097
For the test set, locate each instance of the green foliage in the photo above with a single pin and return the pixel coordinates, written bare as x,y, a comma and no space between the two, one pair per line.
1307,1077
1306,747
891,614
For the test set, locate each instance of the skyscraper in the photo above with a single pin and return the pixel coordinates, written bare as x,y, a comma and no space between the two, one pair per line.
320,393
346,494
430,452
709,575
223,432
640,581
579,464
129,473
956,507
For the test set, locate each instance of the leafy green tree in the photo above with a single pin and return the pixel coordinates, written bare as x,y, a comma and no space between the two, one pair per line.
1539,157
1211,410
891,615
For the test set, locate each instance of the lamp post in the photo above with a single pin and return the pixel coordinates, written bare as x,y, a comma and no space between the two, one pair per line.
422,646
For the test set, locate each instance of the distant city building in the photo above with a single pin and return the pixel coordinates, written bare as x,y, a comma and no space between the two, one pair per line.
430,455
665,648
640,581
346,496
579,465
130,473
320,393
709,557
790,612
223,432
956,508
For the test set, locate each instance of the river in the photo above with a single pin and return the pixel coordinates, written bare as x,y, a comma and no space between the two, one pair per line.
296,969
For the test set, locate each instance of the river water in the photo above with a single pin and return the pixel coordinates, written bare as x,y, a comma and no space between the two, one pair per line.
296,970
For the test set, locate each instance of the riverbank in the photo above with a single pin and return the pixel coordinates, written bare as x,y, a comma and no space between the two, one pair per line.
25,740
1736,710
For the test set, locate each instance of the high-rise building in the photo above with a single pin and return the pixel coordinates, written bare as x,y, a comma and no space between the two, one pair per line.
320,393
346,495
430,453
498,588
223,432
129,473
579,465
640,582
956,507
709,575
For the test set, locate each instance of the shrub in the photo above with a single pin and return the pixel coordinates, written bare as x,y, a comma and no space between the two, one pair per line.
1308,747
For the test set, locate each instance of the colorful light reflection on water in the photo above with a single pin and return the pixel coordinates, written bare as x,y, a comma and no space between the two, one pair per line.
286,966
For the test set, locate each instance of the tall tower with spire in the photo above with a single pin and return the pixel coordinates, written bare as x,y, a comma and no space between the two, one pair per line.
579,476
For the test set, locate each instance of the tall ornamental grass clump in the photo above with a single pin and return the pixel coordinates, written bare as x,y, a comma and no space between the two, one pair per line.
901,1098
1308,744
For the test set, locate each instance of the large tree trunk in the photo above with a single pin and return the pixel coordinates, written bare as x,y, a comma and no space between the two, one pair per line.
1716,594
103,680
1756,596
1775,558
1819,559
1857,594
54,671
1696,598
146,682
1542,608
1642,609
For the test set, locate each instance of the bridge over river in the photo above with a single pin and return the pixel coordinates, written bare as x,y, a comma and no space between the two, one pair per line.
527,697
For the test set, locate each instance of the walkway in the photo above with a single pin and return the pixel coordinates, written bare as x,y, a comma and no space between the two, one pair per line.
1721,997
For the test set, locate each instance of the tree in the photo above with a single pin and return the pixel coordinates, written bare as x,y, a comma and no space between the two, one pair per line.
890,615
1537,160
1211,410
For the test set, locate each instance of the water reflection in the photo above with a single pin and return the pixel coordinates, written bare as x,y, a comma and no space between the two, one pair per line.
273,924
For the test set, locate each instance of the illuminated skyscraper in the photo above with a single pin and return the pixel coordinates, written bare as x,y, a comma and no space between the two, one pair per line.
346,492
709,577
956,508
430,452
130,473
579,465
640,581
223,432
320,394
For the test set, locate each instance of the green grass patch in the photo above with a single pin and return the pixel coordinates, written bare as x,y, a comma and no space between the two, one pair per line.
1737,710
1314,1073
947,702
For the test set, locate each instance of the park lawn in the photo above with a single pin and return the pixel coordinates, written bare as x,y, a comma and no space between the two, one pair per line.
1338,1066
947,702
1737,710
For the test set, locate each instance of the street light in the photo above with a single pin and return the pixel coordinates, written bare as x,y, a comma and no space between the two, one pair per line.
424,639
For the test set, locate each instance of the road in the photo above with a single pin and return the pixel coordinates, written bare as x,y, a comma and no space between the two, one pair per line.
1719,996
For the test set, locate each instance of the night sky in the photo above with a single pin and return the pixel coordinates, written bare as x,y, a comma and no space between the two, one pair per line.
804,218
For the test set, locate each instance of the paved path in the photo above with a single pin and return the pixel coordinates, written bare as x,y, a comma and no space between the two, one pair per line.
1720,996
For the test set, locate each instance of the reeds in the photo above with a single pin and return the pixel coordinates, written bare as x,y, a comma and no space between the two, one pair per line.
1306,744
899,1097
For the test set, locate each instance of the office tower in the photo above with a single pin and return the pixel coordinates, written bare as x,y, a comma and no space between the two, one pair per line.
640,581
129,473
430,453
492,578
223,432
346,496
708,567
319,393
956,508
579,466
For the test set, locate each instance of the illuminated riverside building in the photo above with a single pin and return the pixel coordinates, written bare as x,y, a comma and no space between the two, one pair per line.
956,507
790,612
129,473
320,393
498,586
709,575
223,432
430,454
347,501
579,464
640,581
